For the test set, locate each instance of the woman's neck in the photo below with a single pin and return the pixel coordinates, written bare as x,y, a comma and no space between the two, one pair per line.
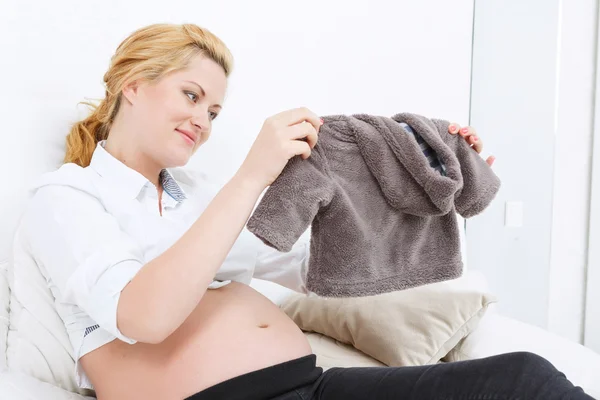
122,146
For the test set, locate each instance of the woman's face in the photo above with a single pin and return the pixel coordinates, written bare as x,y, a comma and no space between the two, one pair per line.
174,116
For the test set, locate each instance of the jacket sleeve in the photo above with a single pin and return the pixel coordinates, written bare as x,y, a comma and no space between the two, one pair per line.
292,202
480,183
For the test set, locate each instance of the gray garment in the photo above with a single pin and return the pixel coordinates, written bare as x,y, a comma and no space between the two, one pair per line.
382,218
432,158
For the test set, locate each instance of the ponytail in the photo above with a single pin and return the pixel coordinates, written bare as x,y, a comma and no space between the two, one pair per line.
85,134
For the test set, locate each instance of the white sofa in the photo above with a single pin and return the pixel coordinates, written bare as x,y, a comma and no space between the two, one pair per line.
495,334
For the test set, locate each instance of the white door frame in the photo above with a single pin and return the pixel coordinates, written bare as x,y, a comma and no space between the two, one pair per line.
592,308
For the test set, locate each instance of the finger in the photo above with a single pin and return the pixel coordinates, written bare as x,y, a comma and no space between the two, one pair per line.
467,131
297,115
490,160
476,143
453,128
301,148
304,130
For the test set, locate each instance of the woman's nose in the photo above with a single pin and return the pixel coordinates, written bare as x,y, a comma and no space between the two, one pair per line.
201,122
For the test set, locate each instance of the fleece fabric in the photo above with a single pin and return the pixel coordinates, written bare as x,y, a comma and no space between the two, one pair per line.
381,218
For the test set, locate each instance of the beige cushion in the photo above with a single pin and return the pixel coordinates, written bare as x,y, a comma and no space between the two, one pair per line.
412,327
332,353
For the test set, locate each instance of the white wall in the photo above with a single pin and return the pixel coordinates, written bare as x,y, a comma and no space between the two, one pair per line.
513,101
335,57
533,70
533,79
592,316
572,168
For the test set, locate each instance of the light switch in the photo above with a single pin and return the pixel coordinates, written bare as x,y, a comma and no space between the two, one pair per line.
513,217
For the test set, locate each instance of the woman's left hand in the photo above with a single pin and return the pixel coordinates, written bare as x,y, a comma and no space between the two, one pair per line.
470,135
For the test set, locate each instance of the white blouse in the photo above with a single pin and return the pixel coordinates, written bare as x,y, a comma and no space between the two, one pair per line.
90,230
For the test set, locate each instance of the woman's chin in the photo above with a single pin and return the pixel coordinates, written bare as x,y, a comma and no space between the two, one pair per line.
179,156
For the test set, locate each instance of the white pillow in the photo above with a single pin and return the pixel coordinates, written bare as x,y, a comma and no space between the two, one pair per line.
18,386
28,156
37,344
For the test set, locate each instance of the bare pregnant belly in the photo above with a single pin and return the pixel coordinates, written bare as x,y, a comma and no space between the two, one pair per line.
234,330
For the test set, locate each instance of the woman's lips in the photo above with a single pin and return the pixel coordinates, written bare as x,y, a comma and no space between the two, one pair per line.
188,136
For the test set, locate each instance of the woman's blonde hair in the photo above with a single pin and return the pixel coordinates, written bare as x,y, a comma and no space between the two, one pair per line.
147,54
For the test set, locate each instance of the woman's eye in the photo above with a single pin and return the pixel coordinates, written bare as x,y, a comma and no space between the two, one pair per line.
192,96
213,115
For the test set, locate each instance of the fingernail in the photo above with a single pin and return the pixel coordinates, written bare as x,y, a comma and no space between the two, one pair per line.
452,128
475,139
322,122
464,130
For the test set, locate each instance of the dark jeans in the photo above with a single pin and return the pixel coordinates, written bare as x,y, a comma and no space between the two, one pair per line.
519,375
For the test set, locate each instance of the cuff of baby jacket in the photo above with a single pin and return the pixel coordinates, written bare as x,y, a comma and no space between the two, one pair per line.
478,204
270,235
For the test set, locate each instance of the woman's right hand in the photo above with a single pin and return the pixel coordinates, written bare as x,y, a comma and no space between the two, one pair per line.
283,136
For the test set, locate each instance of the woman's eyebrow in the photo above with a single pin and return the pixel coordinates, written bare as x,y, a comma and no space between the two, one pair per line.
203,92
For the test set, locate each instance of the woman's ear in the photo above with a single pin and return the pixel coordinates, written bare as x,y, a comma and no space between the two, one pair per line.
130,91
